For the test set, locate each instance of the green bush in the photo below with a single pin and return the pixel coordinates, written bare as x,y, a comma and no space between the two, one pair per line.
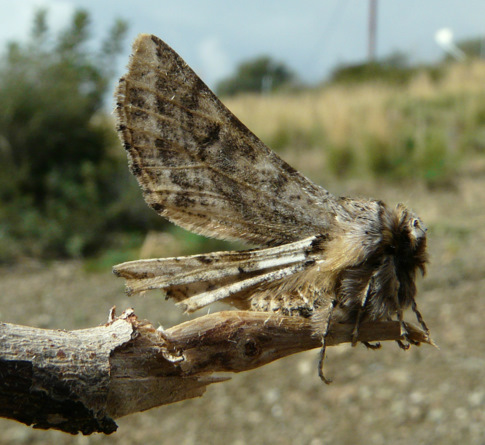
57,160
393,69
260,75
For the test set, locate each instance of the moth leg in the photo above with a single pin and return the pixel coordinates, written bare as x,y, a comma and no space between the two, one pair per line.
420,318
320,363
403,345
321,358
372,346
355,332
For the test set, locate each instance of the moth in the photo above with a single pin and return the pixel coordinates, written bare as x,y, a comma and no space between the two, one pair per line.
319,255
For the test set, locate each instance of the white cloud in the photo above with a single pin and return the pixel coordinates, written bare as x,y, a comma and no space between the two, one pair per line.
214,62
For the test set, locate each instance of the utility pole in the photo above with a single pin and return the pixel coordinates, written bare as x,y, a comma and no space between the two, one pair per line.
371,50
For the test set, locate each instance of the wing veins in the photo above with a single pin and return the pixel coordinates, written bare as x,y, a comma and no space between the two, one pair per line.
236,222
259,192
160,117
143,86
203,299
179,167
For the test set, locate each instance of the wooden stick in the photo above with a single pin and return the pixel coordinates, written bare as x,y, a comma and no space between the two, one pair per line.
80,381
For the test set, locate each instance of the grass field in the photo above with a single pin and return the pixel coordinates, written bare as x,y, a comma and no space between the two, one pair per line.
420,130
389,396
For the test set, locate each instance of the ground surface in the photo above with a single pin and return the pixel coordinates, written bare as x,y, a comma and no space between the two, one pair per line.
425,395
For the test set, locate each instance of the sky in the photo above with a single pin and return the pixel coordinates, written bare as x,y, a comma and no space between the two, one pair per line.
311,36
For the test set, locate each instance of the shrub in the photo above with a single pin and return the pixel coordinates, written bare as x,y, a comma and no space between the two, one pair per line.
57,166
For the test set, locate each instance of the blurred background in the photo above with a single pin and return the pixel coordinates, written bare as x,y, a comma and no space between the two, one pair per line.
377,99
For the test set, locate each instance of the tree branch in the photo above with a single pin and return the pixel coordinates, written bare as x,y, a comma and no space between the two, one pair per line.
80,381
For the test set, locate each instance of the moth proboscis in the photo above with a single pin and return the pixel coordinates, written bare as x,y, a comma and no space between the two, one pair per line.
320,256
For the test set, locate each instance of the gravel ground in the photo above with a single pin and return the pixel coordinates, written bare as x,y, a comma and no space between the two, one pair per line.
424,396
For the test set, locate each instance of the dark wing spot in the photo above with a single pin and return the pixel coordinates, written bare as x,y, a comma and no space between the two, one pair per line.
159,44
288,168
180,178
158,207
212,135
184,200
135,169
136,97
205,260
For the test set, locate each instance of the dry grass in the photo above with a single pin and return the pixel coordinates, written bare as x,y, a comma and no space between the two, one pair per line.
338,111
420,130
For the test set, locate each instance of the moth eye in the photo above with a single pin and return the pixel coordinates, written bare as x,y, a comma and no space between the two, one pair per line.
415,222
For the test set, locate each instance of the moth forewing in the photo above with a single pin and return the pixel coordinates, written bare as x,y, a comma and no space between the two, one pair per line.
199,166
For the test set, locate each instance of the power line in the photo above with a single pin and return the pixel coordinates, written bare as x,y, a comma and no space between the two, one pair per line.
372,30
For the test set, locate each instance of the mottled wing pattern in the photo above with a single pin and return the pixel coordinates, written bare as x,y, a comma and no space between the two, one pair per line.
199,166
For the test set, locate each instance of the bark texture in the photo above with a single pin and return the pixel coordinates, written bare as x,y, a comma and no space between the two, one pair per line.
80,381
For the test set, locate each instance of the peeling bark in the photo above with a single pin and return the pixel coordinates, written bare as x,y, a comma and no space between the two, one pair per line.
80,381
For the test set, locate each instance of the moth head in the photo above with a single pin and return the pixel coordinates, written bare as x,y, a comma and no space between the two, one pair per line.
411,236
403,254
416,228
